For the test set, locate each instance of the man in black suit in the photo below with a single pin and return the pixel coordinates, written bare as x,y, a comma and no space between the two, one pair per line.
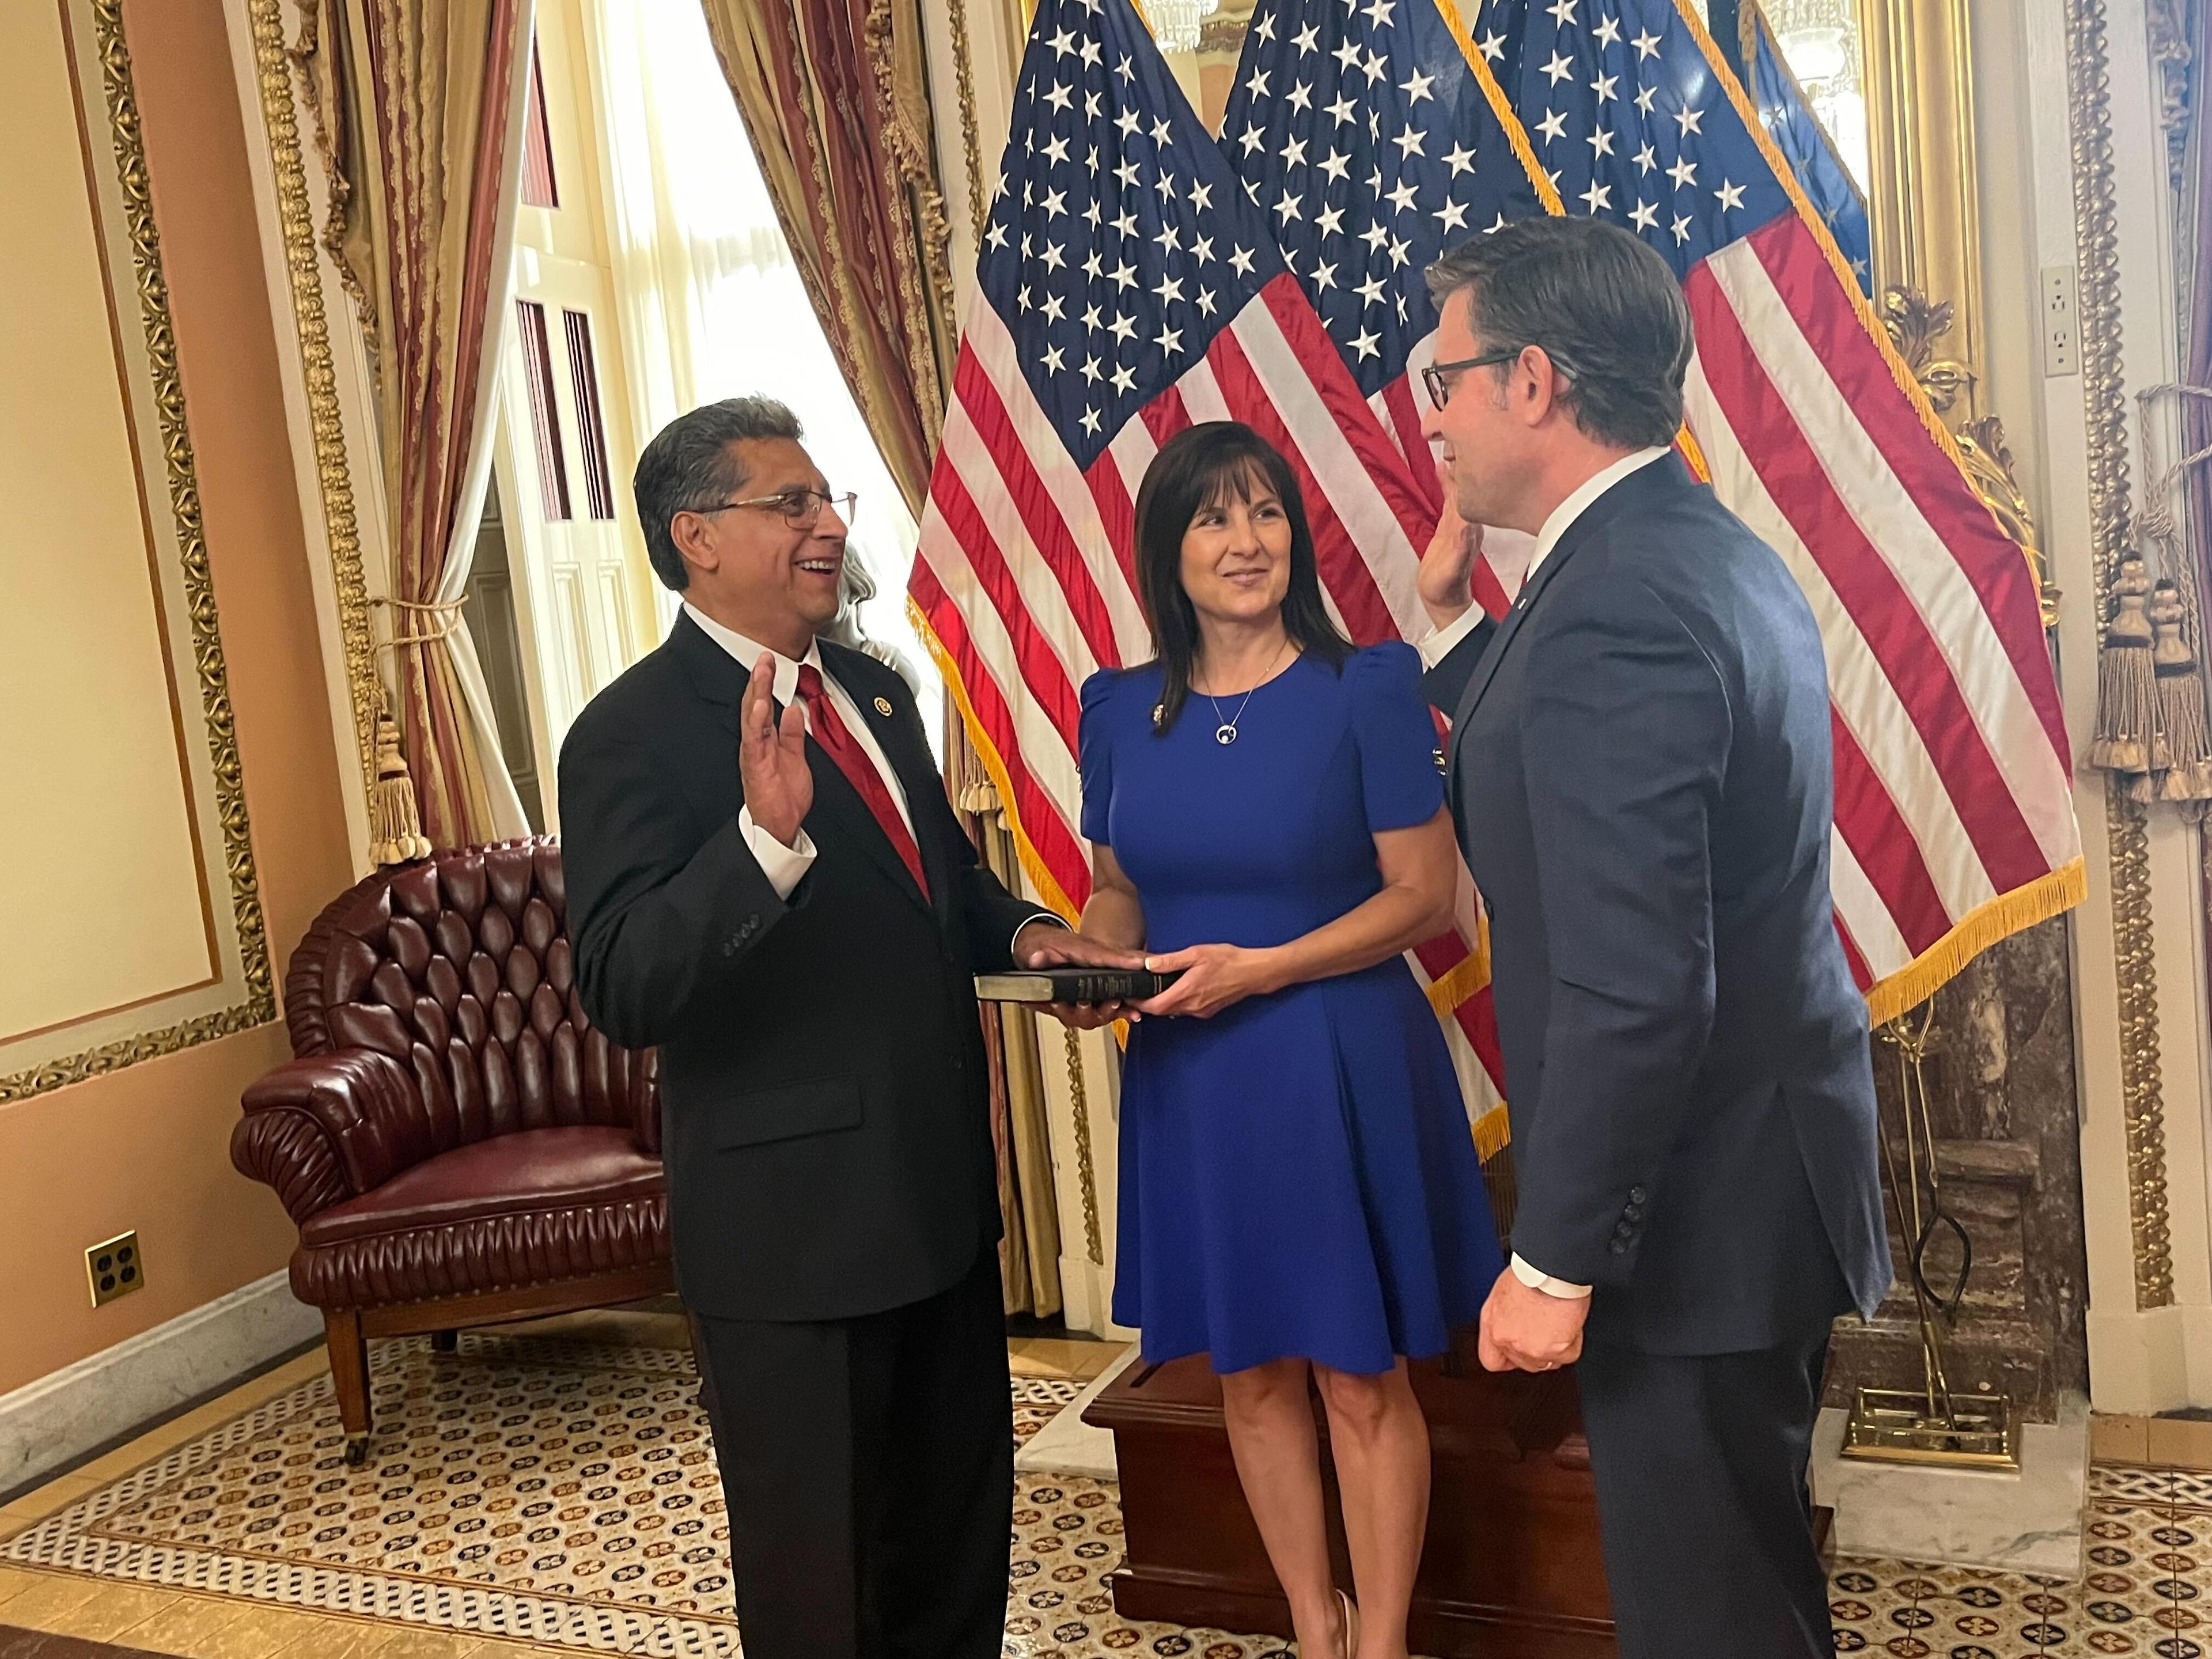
766,880
1641,774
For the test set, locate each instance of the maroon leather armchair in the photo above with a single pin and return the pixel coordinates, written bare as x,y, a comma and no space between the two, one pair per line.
457,1144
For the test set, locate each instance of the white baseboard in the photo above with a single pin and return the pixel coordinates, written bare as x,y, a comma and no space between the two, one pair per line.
45,1423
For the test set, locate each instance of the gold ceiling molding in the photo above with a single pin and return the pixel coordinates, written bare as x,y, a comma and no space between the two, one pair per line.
257,1005
2098,255
272,65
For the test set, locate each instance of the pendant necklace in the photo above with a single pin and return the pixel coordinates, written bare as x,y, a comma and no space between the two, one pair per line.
1225,733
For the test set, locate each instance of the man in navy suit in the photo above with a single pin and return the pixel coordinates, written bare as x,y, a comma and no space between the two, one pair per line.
1641,776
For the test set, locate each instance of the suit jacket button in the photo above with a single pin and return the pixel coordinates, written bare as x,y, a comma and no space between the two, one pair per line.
1619,1247
1636,1194
1633,1212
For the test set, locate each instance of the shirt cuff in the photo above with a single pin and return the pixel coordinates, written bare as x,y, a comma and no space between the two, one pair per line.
784,866
1439,645
1042,915
1537,1280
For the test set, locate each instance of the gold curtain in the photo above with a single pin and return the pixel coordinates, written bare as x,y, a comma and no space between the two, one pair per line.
834,94
416,106
1029,1255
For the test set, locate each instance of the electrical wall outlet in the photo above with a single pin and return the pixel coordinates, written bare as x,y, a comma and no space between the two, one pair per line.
2061,339
115,1268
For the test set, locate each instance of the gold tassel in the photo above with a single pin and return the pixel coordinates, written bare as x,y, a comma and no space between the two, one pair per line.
2180,700
2127,738
395,825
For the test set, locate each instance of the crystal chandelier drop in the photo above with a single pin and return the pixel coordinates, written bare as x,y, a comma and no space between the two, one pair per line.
1175,22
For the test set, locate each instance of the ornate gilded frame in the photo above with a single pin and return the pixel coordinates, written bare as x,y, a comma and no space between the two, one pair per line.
2126,829
273,76
254,1001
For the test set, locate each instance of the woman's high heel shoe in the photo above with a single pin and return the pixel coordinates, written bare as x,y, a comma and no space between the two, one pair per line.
1347,1624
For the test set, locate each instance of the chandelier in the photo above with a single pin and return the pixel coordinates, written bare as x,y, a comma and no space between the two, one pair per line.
1175,22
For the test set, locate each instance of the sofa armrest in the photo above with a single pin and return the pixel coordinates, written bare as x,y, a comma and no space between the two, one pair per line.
645,1100
330,1127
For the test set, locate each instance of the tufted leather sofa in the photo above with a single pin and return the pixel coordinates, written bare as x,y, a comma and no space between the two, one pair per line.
457,1144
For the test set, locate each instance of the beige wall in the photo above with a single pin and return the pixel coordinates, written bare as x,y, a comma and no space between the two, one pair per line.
148,1147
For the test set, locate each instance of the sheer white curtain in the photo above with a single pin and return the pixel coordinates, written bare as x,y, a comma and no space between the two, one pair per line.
712,306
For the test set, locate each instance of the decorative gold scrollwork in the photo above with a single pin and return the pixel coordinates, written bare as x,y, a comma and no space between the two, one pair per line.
1915,323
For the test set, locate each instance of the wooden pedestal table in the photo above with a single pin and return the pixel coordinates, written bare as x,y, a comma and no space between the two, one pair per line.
1512,1569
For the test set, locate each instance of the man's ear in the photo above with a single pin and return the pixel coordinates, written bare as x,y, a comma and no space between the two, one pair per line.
1544,384
695,539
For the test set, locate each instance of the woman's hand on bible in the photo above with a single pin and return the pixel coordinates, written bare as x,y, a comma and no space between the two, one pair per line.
1214,976
772,757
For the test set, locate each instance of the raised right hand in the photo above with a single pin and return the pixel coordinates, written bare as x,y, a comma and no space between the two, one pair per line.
772,757
1445,582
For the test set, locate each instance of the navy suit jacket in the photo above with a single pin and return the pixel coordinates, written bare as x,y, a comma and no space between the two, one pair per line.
1641,776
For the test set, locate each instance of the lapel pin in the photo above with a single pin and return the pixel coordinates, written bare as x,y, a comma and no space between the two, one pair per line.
884,706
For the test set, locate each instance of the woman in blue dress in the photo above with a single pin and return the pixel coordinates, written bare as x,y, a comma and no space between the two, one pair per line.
1299,1193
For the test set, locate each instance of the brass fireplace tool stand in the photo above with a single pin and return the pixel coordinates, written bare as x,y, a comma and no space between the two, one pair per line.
1931,1424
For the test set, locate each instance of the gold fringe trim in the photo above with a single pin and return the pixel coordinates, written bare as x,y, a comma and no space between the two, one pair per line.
1033,865
1469,976
2002,917
1493,1134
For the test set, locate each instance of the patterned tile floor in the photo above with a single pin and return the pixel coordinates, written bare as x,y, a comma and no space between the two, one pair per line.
2149,1568
548,1494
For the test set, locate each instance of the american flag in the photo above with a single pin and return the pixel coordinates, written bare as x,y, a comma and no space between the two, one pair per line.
1127,287
1954,824
1805,144
1362,134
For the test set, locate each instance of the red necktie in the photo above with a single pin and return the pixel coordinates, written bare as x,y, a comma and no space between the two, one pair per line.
859,771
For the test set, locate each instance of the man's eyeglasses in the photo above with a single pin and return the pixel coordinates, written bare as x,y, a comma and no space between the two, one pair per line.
1440,389
801,508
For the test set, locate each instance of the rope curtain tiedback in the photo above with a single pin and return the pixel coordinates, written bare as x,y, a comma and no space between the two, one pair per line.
417,107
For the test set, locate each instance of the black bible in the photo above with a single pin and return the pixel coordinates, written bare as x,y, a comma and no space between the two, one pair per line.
1073,985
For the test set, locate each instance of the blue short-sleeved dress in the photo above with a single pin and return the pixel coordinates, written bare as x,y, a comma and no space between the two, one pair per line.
1298,1177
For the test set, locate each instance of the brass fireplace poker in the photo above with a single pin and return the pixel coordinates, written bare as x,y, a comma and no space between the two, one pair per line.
1930,1424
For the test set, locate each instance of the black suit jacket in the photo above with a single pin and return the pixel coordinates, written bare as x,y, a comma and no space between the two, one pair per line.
825,1106
1641,780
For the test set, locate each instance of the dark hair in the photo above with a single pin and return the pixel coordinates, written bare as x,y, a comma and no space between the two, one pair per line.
1605,307
689,464
1202,464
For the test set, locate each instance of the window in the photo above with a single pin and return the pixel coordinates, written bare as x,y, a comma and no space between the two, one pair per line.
584,382
544,410
539,188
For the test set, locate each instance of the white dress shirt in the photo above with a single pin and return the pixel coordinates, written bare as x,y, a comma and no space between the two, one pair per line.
1438,645
785,865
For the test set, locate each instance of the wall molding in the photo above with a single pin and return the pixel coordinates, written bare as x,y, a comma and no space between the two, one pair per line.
122,217
49,1423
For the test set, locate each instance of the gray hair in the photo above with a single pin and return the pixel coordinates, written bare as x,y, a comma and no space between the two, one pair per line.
690,466
1603,304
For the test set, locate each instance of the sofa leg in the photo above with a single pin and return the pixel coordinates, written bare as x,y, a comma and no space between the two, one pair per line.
445,1341
349,1350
